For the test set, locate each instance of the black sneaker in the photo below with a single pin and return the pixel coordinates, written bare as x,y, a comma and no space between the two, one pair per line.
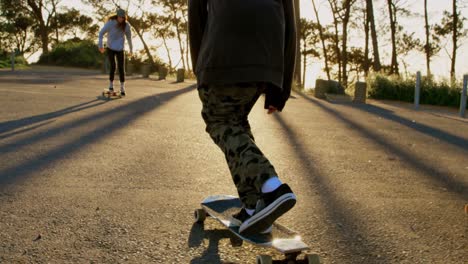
240,217
122,93
276,204
111,89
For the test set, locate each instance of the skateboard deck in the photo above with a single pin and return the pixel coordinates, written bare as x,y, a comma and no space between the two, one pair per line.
282,239
109,94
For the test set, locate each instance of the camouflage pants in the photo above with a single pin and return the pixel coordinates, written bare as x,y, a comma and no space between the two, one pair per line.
225,112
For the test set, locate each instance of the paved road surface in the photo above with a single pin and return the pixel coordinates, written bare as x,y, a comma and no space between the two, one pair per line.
86,180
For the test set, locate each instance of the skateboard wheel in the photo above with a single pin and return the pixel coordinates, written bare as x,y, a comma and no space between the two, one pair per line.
200,215
236,242
264,259
312,259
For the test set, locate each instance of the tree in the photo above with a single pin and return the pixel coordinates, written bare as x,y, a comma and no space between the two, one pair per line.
297,70
39,13
407,42
366,25
452,24
347,4
375,46
184,11
336,38
177,12
17,28
392,10
357,61
427,46
43,12
141,25
341,15
308,40
396,8
432,46
161,28
73,22
322,39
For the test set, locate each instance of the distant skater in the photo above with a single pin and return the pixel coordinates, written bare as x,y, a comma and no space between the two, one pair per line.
117,29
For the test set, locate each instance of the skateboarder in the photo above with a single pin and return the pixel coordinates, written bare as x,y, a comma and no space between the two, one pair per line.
240,50
117,29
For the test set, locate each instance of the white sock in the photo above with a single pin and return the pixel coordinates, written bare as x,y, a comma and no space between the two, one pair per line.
271,184
250,211
111,84
122,86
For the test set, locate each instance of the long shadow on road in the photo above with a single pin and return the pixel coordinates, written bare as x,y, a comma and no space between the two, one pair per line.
128,112
346,224
430,131
438,177
27,121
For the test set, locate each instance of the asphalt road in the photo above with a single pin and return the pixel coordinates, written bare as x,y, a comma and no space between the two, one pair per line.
89,180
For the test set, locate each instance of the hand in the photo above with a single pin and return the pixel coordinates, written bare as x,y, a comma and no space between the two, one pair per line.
272,109
102,50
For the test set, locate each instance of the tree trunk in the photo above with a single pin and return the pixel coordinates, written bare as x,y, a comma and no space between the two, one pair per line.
454,40
394,64
375,46
140,35
322,38
179,37
187,52
148,52
44,38
427,47
54,10
337,38
304,65
366,47
168,52
43,29
344,46
297,71
187,55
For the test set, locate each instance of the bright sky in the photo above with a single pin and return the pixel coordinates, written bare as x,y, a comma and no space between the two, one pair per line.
416,61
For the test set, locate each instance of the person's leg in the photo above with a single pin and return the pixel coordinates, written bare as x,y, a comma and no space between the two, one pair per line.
120,64
225,111
111,56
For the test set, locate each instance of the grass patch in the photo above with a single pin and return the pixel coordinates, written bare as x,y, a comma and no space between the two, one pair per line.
439,93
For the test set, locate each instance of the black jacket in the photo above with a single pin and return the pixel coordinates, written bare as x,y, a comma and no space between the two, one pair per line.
244,41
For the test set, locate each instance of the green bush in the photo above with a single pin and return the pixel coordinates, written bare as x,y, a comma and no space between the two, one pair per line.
74,52
432,93
3,55
5,60
20,60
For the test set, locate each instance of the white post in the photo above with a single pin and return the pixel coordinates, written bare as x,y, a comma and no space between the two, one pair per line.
12,61
417,90
463,97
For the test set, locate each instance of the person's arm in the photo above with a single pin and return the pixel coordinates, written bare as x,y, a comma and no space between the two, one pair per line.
103,31
197,16
289,51
128,34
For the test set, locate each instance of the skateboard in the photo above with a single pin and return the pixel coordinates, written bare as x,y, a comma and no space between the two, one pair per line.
111,94
282,239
